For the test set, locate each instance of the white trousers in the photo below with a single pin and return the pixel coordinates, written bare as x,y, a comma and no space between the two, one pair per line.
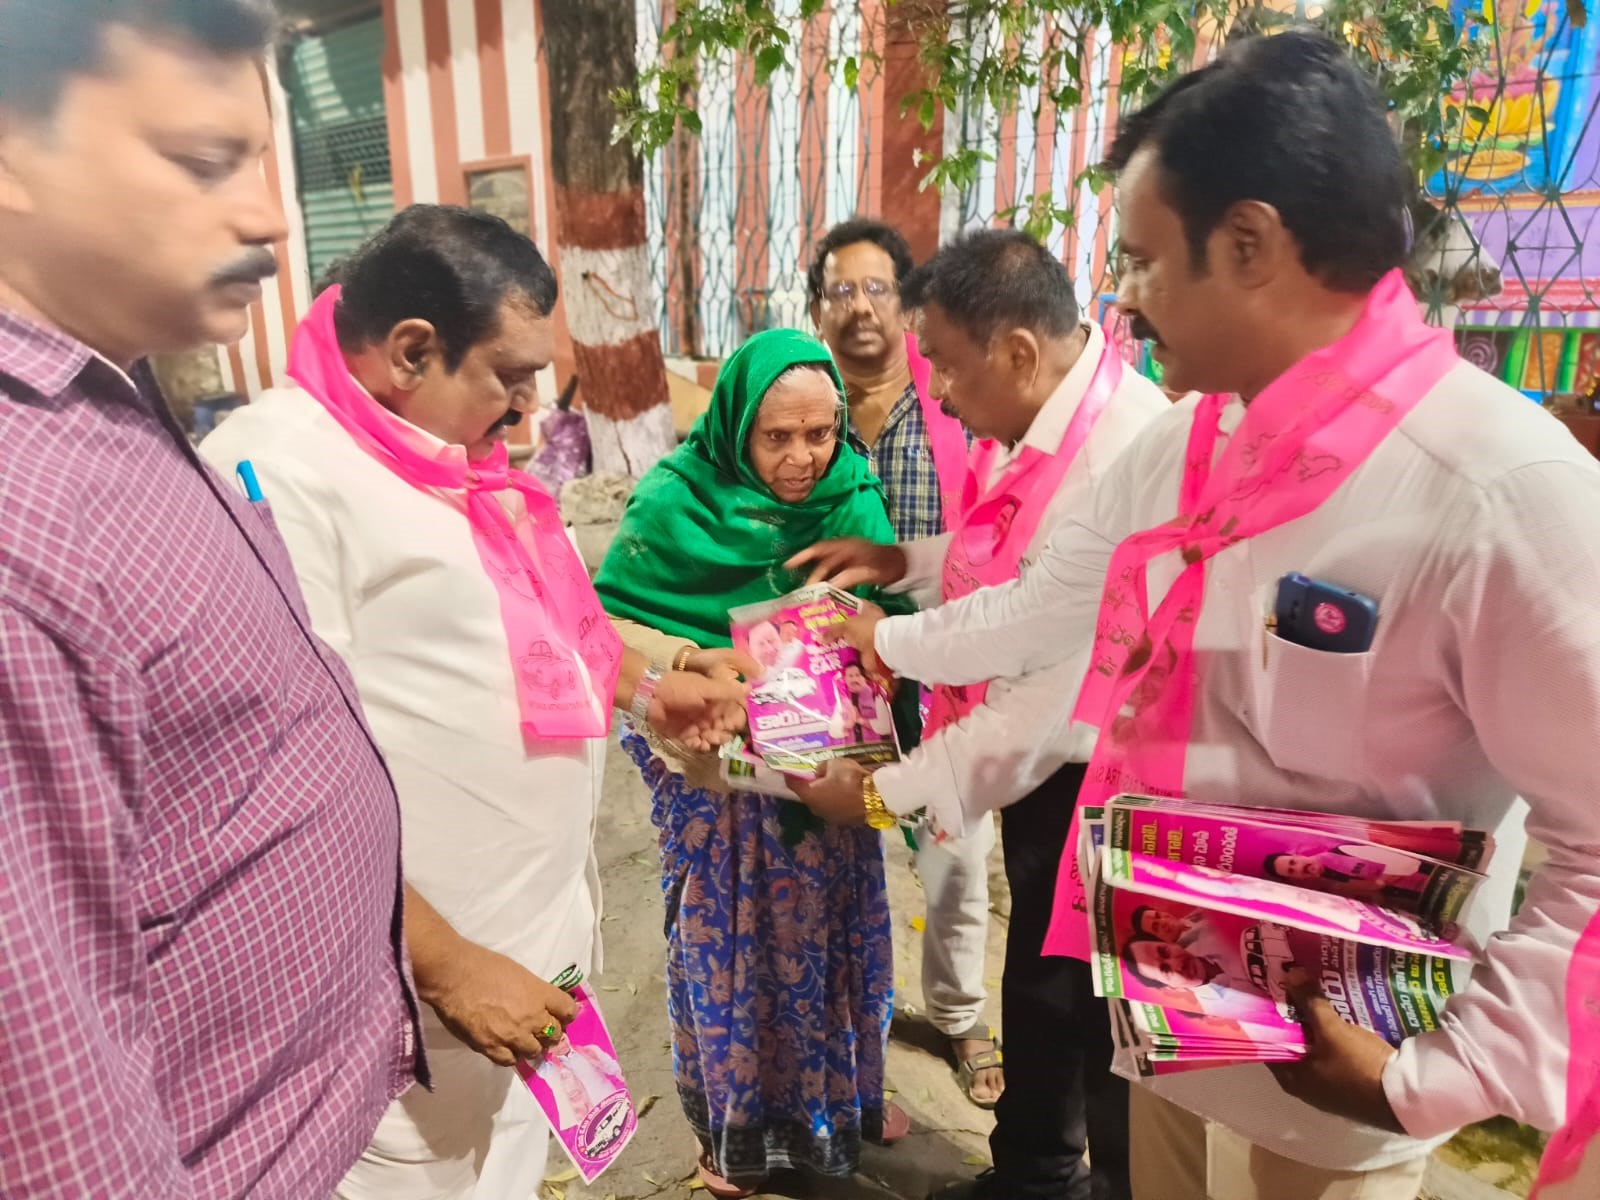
479,1135
955,880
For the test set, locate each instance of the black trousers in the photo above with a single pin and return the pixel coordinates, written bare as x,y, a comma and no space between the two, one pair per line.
1060,1093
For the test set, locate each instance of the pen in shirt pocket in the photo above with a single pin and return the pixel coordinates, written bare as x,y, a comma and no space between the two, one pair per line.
252,485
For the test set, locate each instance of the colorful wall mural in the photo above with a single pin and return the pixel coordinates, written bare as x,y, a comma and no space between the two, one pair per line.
1526,178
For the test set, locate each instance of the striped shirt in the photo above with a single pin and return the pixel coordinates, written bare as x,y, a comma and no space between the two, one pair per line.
203,983
903,459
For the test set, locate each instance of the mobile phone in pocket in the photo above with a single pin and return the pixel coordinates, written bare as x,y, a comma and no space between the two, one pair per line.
1323,616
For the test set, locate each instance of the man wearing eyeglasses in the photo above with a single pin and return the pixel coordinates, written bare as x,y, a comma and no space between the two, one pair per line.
920,454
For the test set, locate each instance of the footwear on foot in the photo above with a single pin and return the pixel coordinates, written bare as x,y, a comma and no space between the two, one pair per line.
896,1124
969,1069
716,1185
985,1187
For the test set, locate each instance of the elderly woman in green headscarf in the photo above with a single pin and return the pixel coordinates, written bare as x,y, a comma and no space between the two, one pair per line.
779,968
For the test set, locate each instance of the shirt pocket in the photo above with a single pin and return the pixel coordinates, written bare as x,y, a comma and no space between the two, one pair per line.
1311,707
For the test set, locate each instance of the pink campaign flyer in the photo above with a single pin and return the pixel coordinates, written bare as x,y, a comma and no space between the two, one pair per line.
1235,968
812,702
579,1085
1316,859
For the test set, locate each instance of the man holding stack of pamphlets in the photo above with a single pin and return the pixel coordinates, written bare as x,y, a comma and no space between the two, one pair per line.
1352,577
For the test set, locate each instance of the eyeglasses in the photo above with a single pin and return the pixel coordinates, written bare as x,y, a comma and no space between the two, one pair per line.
843,293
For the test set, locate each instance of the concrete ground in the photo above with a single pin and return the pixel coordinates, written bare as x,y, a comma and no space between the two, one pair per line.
948,1138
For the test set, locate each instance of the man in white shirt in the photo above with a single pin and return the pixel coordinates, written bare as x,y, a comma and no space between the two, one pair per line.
1014,361
410,373
1261,205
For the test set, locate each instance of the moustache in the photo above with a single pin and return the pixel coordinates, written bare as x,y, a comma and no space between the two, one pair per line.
1143,330
252,267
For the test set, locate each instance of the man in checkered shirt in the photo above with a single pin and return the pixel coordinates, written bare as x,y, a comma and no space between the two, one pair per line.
203,987
854,286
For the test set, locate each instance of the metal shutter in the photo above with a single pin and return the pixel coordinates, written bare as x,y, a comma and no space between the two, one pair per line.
334,82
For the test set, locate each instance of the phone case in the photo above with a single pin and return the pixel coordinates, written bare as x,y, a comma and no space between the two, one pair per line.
1324,616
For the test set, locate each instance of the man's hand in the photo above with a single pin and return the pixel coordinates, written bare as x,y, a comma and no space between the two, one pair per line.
699,711
851,562
860,633
499,1008
835,794
726,665
1342,1072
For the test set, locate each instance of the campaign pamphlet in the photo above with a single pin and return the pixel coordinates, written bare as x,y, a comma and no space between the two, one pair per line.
1199,912
744,770
812,702
579,1086
1335,859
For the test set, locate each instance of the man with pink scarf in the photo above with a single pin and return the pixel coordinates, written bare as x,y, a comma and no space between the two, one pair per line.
486,667
1334,435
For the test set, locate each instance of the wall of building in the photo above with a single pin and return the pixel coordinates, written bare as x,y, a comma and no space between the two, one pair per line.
465,91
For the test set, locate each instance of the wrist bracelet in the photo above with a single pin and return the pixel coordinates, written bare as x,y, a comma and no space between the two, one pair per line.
645,692
680,661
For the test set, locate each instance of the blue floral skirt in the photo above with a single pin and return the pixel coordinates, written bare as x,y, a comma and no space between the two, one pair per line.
780,977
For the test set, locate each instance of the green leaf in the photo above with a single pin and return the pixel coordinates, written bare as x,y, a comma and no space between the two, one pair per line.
691,121
768,61
852,72
925,112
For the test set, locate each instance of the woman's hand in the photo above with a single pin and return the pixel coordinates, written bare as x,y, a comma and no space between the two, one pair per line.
700,711
851,562
726,665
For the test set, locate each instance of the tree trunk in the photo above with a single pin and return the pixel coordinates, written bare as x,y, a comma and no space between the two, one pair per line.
600,217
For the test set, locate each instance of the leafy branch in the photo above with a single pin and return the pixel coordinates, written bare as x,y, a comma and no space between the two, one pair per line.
990,53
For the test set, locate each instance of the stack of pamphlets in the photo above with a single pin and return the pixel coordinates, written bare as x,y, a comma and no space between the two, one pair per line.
1198,913
813,702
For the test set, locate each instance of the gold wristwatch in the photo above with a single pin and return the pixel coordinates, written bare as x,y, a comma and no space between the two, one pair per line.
878,814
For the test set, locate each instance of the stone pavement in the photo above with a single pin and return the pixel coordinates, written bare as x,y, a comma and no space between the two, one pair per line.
949,1136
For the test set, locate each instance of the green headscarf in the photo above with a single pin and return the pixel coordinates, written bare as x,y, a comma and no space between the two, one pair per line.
702,533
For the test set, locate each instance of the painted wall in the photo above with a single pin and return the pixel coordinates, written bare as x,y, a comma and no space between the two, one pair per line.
464,85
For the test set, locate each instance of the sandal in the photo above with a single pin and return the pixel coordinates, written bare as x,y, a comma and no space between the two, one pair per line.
719,1187
987,1060
896,1124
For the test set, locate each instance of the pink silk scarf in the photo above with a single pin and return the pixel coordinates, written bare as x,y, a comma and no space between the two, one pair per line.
1565,1153
1301,438
565,655
997,521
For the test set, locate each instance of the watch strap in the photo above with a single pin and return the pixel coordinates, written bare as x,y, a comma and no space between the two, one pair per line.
878,814
644,692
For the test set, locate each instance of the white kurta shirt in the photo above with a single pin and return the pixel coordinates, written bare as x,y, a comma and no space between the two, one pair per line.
1020,735
1476,527
497,835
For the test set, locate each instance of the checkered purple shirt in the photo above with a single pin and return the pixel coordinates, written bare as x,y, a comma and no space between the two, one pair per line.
203,985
